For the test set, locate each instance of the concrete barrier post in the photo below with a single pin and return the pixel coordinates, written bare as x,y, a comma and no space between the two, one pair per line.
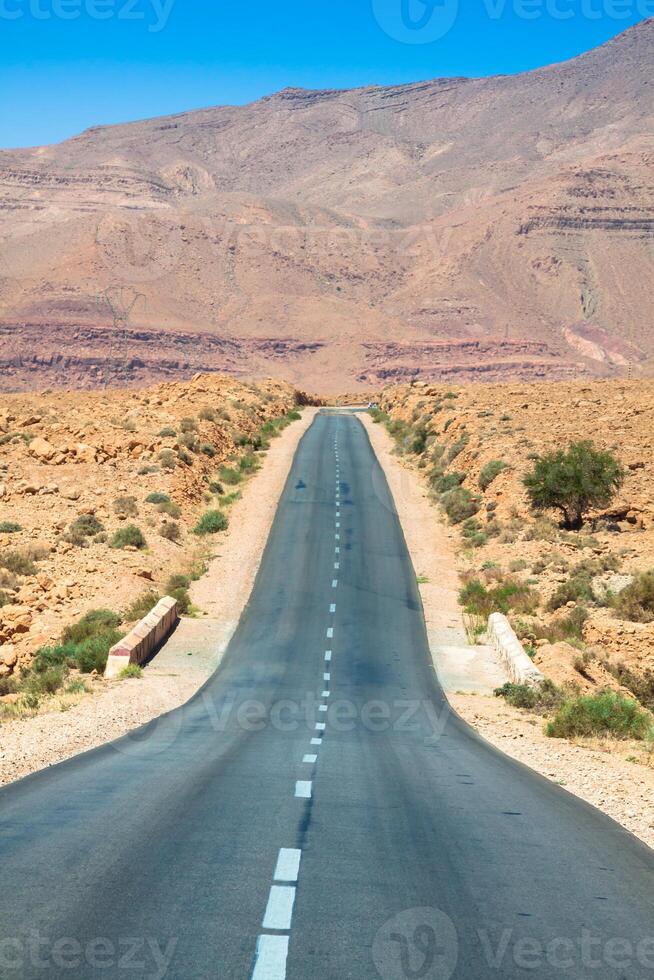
144,638
511,652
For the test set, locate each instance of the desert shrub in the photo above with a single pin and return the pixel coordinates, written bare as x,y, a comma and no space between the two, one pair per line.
91,654
573,481
446,481
145,470
216,487
184,457
229,476
177,586
167,432
8,685
125,505
188,425
18,563
545,696
93,622
35,685
86,525
636,601
76,686
506,596
459,504
377,415
129,536
640,684
457,448
542,529
293,415
577,587
473,533
517,565
167,459
187,440
171,531
418,442
132,670
211,522
208,449
606,713
5,598
141,606
248,463
569,628
9,527
229,498
207,414
157,498
170,508
491,470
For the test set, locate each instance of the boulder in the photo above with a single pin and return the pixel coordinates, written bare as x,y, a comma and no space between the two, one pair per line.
41,449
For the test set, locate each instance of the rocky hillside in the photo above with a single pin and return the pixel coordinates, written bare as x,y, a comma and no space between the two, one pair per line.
104,496
463,229
577,598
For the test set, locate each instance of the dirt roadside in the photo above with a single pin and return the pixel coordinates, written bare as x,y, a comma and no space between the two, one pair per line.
624,790
191,654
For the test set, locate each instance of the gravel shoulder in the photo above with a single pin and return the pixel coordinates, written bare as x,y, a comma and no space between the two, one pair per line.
598,773
114,708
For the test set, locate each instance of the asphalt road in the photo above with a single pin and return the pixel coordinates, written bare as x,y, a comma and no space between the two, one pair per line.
252,833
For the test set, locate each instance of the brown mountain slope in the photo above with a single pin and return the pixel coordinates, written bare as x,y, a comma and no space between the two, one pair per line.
456,228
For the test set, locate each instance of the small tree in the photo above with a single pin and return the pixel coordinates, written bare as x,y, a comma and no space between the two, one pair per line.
574,480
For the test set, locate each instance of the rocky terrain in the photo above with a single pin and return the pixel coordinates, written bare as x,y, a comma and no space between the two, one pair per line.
456,229
103,495
560,588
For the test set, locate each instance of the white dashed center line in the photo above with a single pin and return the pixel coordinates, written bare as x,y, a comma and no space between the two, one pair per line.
272,953
334,583
330,632
279,910
320,727
325,694
288,864
328,655
326,677
323,707
332,607
310,759
316,741
303,791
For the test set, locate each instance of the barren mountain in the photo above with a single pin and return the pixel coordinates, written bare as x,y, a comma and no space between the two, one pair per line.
458,228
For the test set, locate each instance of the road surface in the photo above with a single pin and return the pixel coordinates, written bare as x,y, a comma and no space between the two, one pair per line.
316,811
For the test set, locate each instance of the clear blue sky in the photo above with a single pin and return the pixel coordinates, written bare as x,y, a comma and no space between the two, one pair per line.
69,64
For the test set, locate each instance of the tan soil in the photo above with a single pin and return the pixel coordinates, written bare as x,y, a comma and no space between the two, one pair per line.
116,707
67,454
598,771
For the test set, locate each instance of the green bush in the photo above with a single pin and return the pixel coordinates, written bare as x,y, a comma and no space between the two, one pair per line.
378,416
248,463
459,504
141,606
157,498
544,696
92,654
229,476
606,713
569,628
457,448
636,602
177,587
93,622
574,481
490,471
211,522
9,527
132,670
577,587
129,536
167,432
18,563
86,525
170,508
446,481
508,595
171,531
167,459
125,505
